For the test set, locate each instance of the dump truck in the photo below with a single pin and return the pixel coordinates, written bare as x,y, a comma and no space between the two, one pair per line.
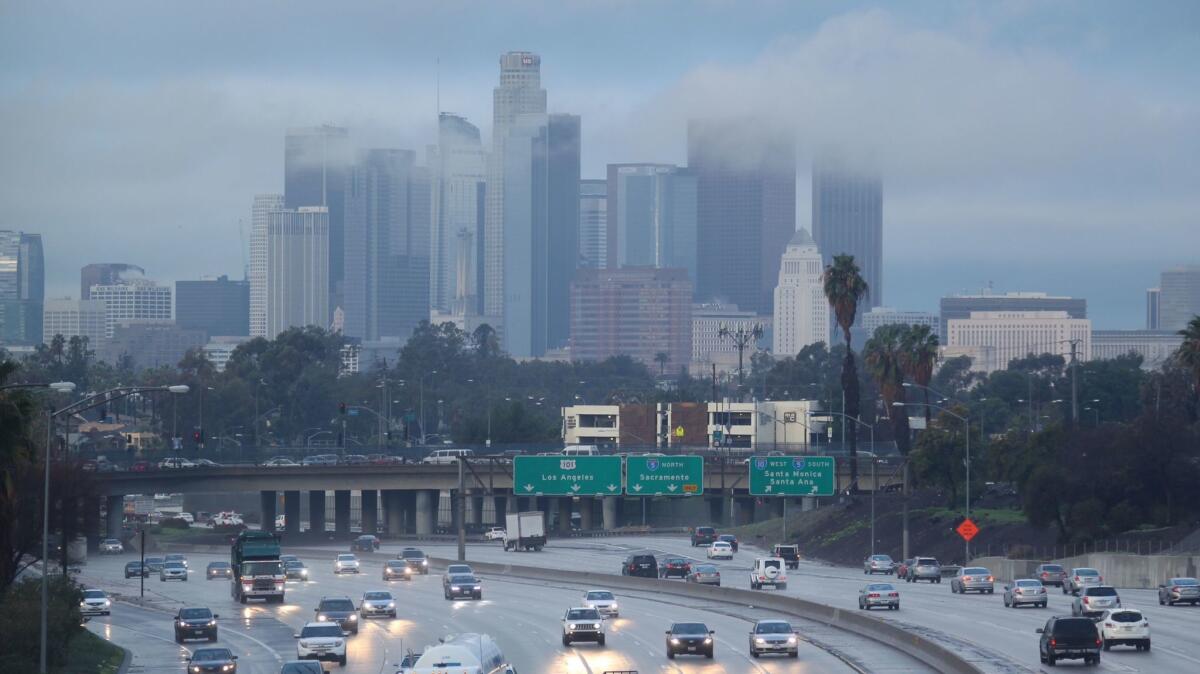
257,571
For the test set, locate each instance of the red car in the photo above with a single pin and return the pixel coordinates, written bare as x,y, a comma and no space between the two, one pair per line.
902,569
142,467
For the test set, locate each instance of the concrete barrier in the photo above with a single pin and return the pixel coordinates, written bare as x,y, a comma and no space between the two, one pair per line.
938,658
1118,569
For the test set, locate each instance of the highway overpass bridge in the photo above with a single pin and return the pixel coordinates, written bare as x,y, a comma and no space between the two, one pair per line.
398,499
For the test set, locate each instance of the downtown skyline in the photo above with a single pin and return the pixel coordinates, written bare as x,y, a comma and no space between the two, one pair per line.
1058,225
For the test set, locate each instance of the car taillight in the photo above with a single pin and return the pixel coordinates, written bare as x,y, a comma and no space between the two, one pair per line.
1097,642
1053,643
1109,625
991,579
1087,600
894,594
1101,579
1174,588
1045,575
873,595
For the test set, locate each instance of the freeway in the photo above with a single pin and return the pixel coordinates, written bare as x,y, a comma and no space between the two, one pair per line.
979,627
523,616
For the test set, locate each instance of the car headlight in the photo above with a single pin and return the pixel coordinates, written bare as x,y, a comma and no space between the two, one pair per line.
407,570
226,668
454,588
321,618
674,641
708,640
391,604
303,572
424,562
353,616
760,640
791,641
195,669
212,623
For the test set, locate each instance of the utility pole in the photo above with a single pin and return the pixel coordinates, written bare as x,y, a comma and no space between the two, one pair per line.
462,511
1074,382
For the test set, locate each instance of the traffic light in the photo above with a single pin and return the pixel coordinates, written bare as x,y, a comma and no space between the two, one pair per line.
341,408
197,437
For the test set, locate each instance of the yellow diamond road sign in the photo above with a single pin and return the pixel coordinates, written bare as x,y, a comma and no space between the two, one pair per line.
679,431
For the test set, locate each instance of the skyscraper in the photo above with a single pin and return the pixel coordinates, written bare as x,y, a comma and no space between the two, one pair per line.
653,217
593,223
216,306
541,231
297,268
634,311
847,219
746,208
105,274
22,288
387,245
74,318
132,299
801,311
260,212
459,167
1153,298
1180,297
520,92
315,161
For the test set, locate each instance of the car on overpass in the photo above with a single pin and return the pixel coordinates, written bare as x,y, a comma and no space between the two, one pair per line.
704,574
345,563
1081,577
1092,601
768,571
641,564
674,566
720,550
340,611
111,546
1050,574
703,536
365,543
95,602
603,601
321,641
730,539
218,570
924,568
135,569
279,462
463,585
397,569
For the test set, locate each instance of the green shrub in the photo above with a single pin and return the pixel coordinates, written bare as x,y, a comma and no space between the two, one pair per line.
20,628
174,523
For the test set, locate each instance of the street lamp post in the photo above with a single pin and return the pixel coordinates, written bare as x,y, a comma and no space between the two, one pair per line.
421,387
87,403
967,424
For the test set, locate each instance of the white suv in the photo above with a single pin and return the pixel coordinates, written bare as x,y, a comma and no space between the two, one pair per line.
582,624
321,641
603,601
768,571
495,534
345,564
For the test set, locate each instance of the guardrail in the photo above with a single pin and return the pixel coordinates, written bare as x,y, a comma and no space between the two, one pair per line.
937,657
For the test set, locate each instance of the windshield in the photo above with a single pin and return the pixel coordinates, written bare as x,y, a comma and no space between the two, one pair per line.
321,631
1028,583
675,560
219,565
976,571
880,587
377,596
1125,616
689,628
599,596
1184,581
1053,568
705,568
174,565
458,568
346,558
583,614
463,578
297,564
1075,627
154,560
337,605
395,564
727,538
1086,572
261,568
773,628
134,565
881,558
110,541
211,654
93,594
412,554
926,561
1101,592
195,613
705,530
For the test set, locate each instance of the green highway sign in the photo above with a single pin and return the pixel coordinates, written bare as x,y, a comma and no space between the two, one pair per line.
566,475
792,476
664,475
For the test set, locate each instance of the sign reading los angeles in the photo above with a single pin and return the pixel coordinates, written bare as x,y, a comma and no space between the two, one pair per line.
567,475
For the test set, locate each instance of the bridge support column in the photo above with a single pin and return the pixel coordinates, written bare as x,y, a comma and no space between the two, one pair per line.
341,513
115,506
91,522
408,505
316,511
743,511
566,505
266,499
765,510
475,511
500,503
393,513
370,511
585,513
426,508
609,513
291,512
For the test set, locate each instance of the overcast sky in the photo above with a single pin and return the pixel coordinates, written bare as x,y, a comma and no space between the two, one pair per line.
1036,145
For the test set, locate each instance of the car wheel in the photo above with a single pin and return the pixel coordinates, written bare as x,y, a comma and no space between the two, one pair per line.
781,586
1043,604
1107,644
938,581
342,661
709,654
212,637
794,654
753,653
566,640
1146,646
992,591
1050,661
670,655
601,640
1041,657
897,606
1160,600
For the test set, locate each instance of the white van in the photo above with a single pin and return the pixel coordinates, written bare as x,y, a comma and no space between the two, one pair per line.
581,450
444,456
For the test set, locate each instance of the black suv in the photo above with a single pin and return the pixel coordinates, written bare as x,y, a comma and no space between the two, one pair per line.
689,639
135,569
677,567
790,554
641,564
195,623
338,610
364,543
1069,639
703,536
416,559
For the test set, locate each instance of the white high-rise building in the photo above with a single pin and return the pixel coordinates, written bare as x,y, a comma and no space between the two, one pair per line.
520,92
1016,334
459,168
135,299
263,205
297,268
74,318
801,311
878,317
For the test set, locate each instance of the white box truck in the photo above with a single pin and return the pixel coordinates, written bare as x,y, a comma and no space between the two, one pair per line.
525,531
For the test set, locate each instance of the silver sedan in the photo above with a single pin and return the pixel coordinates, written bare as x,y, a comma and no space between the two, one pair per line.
1025,591
973,579
879,594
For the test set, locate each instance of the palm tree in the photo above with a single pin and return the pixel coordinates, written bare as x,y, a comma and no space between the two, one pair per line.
884,356
661,358
1188,356
844,286
918,355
